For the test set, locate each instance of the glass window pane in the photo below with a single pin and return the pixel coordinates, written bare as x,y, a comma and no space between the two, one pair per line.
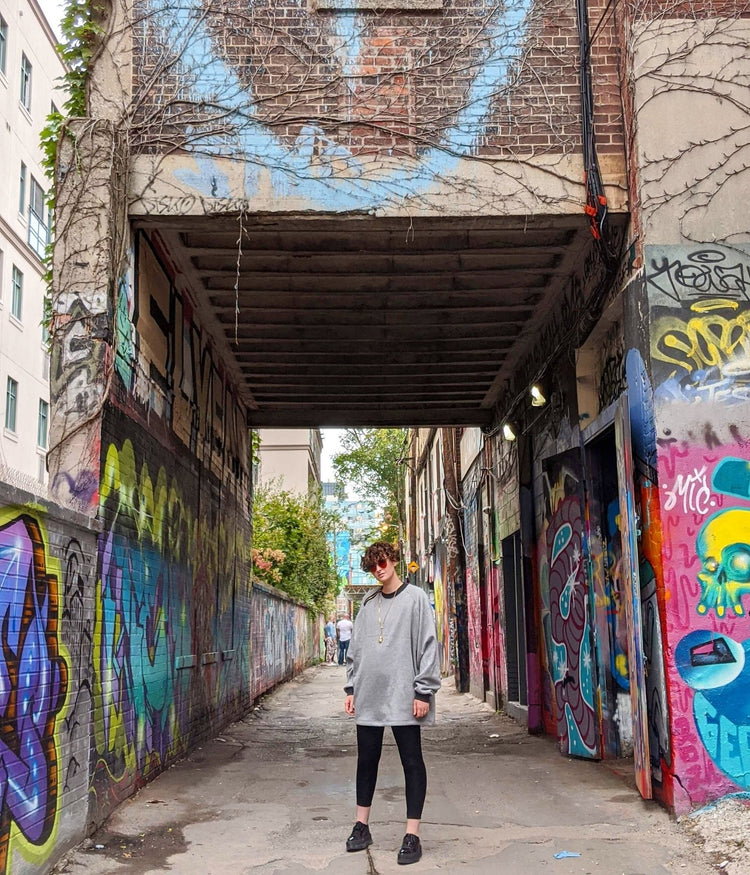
41,431
16,302
3,43
22,190
25,82
11,400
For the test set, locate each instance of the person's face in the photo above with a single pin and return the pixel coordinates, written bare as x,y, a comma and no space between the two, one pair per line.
383,569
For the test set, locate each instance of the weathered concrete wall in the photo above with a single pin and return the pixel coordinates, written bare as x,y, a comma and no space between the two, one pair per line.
690,105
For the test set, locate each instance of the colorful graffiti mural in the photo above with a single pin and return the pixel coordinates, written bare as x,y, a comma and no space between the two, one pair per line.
700,361
284,636
33,689
565,618
169,649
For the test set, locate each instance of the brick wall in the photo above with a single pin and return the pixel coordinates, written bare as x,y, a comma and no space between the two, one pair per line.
497,80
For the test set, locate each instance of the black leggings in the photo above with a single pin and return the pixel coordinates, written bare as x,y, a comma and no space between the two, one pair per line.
409,741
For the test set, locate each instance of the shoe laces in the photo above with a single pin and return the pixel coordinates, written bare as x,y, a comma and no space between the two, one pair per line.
410,842
359,828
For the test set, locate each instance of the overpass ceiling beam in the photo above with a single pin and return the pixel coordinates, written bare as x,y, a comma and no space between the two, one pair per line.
338,334
346,320
437,357
282,379
365,264
271,371
387,418
272,316
405,302
348,242
384,281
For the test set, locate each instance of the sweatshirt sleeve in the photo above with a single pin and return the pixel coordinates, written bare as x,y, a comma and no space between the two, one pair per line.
351,662
427,679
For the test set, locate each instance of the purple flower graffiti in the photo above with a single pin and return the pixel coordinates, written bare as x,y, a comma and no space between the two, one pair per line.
33,684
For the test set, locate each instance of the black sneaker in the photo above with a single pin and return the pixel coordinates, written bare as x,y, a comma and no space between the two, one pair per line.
411,850
360,837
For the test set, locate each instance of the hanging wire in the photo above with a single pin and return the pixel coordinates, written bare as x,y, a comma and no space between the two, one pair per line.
241,221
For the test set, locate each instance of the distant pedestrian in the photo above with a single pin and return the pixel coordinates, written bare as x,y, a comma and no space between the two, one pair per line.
329,633
393,673
344,628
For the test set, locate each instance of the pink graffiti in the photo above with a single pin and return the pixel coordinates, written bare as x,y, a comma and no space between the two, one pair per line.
687,501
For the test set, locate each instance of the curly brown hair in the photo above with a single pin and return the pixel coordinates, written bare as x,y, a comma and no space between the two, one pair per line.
379,550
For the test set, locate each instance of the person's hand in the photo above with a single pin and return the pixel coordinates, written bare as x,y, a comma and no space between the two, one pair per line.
349,705
421,708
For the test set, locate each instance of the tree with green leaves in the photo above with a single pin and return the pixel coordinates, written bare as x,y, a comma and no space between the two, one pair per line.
369,460
290,531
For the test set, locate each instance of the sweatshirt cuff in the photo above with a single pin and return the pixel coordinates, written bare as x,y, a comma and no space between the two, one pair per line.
349,690
423,697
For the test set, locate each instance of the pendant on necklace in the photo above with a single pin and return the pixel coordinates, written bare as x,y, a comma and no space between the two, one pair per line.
380,639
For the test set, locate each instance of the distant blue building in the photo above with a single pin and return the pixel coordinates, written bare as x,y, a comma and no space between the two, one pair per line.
359,527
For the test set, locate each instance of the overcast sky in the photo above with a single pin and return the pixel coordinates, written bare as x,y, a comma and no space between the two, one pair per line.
331,446
53,9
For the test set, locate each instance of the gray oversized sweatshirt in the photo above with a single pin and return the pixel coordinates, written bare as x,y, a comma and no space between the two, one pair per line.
385,677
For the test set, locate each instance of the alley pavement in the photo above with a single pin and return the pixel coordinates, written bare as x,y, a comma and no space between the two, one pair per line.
275,794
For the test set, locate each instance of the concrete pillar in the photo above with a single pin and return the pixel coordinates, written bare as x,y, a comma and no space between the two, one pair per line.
90,230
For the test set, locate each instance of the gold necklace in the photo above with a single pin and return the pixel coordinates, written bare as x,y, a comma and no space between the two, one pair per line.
381,621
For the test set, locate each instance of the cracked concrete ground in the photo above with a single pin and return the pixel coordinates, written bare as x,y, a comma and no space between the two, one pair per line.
275,794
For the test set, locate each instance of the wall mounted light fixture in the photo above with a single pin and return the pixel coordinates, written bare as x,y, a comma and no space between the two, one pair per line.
537,396
508,432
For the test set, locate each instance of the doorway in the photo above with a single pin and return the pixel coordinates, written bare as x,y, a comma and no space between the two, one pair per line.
515,622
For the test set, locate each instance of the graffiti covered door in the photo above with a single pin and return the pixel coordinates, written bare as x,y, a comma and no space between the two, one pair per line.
566,620
631,579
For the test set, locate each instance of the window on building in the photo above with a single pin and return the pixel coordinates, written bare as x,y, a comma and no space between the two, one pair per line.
45,322
25,82
52,108
41,428
3,43
38,227
2,274
22,190
16,294
11,401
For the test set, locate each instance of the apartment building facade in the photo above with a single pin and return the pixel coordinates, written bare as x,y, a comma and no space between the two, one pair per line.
290,459
30,88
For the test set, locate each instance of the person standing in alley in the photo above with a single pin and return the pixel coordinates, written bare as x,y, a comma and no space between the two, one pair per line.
344,629
329,633
393,674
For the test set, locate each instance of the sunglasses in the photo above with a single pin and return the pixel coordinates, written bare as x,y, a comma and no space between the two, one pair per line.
382,563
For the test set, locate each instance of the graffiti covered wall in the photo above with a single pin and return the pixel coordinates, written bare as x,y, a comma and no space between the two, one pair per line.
285,638
699,299
171,601
569,709
471,521
46,568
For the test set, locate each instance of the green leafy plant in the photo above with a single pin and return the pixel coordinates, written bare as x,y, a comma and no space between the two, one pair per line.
81,31
370,460
295,526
